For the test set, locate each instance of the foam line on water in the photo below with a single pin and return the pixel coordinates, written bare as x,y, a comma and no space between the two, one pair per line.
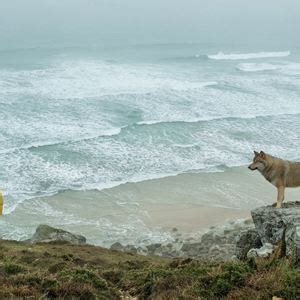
200,120
36,145
83,79
242,56
117,131
193,127
290,68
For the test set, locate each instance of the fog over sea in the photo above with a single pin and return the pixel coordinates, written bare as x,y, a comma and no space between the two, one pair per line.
99,112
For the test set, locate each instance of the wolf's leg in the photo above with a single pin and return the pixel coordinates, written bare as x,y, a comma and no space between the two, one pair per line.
280,196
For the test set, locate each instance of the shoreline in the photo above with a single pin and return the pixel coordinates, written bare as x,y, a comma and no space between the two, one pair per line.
133,213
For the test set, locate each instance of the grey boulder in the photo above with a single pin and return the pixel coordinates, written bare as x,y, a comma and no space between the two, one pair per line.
275,227
47,234
292,242
271,222
265,251
247,240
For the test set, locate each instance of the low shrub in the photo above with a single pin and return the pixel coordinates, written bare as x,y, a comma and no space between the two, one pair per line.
11,268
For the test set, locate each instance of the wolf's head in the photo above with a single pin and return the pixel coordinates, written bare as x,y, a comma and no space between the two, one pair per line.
259,161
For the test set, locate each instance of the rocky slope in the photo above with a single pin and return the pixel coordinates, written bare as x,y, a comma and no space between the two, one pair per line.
58,264
269,229
218,243
274,228
65,271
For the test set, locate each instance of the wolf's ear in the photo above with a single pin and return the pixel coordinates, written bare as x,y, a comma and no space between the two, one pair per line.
262,154
256,153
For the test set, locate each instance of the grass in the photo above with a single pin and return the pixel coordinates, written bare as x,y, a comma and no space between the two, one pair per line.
88,272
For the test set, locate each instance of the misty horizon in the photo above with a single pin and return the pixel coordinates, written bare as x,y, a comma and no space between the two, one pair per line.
98,23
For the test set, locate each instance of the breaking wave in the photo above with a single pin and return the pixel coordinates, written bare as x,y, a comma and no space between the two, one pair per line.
290,68
91,123
255,67
242,56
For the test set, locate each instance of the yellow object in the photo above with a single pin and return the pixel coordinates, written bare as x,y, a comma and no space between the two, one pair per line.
1,204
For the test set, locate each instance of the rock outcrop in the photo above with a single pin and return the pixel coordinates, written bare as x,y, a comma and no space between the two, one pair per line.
218,243
241,239
247,240
274,226
47,234
265,251
292,242
271,223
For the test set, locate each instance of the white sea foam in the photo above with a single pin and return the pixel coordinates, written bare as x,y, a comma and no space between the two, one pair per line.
83,79
47,143
78,108
287,68
242,56
255,67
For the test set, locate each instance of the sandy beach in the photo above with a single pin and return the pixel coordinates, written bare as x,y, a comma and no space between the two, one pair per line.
150,209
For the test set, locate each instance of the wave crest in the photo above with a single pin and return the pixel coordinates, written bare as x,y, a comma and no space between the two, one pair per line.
254,67
241,56
289,69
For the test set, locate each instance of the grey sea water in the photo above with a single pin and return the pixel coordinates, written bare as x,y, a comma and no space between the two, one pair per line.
94,118
98,93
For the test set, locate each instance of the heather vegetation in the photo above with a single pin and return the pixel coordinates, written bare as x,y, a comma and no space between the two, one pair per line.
61,270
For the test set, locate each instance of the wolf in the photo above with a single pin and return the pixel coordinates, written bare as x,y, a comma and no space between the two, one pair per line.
281,173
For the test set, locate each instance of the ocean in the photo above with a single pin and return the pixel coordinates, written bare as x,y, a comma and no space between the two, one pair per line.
86,119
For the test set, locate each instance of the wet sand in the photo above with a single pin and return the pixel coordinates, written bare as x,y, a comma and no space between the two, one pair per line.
148,209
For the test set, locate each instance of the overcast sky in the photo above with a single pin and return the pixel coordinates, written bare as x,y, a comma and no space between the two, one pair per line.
34,22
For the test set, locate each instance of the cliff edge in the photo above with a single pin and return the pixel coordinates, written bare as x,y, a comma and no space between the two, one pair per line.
275,228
